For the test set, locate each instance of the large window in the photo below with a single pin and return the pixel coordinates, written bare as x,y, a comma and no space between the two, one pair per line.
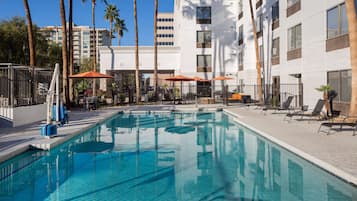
294,37
240,35
240,60
240,9
341,83
292,2
259,23
203,39
204,63
275,51
203,15
275,11
337,21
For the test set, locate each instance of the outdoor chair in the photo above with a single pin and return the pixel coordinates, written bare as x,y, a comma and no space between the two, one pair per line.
284,106
316,112
340,122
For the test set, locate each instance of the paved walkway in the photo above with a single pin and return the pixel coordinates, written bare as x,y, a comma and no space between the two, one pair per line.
336,152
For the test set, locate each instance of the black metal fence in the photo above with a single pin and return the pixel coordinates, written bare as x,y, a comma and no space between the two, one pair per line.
19,87
188,91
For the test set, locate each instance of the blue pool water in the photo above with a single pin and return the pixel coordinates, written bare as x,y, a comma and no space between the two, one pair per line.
171,156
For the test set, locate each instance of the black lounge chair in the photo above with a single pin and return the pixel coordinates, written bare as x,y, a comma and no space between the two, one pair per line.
340,122
315,113
285,106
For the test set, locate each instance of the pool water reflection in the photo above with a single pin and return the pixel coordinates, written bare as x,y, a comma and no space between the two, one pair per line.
168,156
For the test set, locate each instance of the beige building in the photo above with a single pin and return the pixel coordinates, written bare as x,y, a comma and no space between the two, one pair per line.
165,29
82,40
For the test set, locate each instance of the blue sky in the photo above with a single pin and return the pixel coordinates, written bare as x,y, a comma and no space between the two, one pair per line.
46,12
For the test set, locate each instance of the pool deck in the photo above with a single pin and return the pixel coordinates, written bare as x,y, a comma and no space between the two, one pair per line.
336,152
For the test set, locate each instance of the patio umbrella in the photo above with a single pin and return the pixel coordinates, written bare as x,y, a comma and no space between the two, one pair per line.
223,78
91,74
199,79
179,78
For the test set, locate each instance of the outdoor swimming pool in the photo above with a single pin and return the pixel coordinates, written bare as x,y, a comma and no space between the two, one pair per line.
168,156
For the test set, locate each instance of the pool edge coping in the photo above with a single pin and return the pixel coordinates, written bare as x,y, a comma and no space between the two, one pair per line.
19,149
346,177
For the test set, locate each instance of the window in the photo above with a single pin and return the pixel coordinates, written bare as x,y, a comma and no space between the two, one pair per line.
275,51
203,15
261,55
341,83
294,37
204,63
240,60
337,21
240,35
259,25
293,7
292,2
203,39
240,9
275,11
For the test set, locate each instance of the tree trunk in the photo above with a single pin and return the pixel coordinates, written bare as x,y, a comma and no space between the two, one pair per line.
64,54
257,56
30,35
111,30
352,30
327,104
155,52
137,81
70,43
94,47
31,48
118,37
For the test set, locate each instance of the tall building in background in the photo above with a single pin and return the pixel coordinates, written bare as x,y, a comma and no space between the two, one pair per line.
165,29
82,40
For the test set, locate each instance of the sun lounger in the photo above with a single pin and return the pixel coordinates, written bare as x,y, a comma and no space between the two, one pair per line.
339,122
315,113
284,106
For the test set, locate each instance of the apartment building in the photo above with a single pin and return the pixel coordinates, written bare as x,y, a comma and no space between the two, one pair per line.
83,43
165,29
301,43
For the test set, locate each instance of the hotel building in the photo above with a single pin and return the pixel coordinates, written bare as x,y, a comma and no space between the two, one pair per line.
302,43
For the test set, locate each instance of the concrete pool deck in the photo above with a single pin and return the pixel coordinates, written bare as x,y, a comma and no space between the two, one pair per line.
337,152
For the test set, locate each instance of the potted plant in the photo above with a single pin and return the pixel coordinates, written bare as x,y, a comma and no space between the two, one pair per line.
325,89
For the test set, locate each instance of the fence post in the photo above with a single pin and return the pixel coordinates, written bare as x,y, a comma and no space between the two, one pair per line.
11,77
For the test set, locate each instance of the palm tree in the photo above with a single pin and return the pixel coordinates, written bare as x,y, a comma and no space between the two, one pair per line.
70,44
31,45
94,41
119,27
137,81
30,34
111,13
64,54
352,29
155,49
257,56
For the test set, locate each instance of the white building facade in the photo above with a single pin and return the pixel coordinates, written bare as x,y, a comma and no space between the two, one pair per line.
303,44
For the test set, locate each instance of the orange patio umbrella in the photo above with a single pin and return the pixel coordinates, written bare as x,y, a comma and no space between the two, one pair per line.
91,74
179,78
199,79
222,78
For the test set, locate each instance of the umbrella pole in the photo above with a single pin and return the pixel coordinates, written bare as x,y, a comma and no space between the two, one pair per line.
180,101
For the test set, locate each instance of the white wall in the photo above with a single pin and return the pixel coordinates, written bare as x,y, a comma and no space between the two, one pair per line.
28,114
